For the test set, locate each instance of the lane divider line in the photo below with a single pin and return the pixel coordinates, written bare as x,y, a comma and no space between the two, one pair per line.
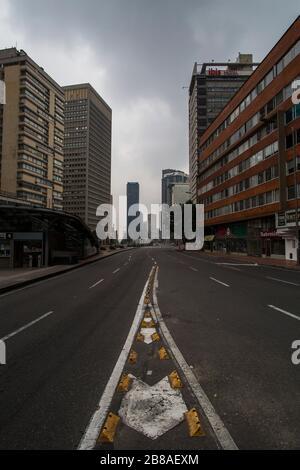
237,264
223,436
116,270
284,311
281,280
91,434
14,333
96,284
219,282
193,269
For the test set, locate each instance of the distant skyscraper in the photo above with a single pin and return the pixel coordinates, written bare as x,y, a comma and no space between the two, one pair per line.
133,197
212,86
170,177
87,152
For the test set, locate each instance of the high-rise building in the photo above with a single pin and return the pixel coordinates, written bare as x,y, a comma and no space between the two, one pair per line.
170,177
31,132
180,193
133,197
249,169
87,152
212,85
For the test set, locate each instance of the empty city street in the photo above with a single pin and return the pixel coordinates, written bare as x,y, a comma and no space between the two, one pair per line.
232,321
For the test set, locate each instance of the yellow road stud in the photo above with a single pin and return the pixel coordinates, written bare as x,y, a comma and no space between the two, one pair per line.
132,357
194,424
109,429
147,315
147,300
155,337
125,383
140,337
163,354
175,380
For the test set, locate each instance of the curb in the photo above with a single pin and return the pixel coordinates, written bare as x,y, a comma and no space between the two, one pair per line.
19,285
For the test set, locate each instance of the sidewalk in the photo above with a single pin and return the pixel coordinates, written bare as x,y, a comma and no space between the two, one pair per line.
20,277
254,259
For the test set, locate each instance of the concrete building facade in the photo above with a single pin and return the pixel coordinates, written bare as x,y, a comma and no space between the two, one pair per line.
212,86
249,164
169,178
87,152
180,193
31,132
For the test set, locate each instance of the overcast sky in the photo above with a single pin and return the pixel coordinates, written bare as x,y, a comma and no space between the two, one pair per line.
138,54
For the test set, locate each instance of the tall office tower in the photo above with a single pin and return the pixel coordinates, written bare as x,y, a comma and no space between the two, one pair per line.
133,197
87,152
212,85
170,177
31,132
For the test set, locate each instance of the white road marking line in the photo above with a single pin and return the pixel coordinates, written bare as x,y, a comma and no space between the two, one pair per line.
149,372
232,268
96,284
237,264
116,270
91,434
281,280
10,335
222,434
193,269
125,264
219,282
284,311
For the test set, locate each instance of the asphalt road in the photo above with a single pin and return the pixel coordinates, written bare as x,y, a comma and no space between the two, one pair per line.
219,316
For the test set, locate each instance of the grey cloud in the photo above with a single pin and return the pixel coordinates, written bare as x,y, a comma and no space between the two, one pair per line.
147,48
